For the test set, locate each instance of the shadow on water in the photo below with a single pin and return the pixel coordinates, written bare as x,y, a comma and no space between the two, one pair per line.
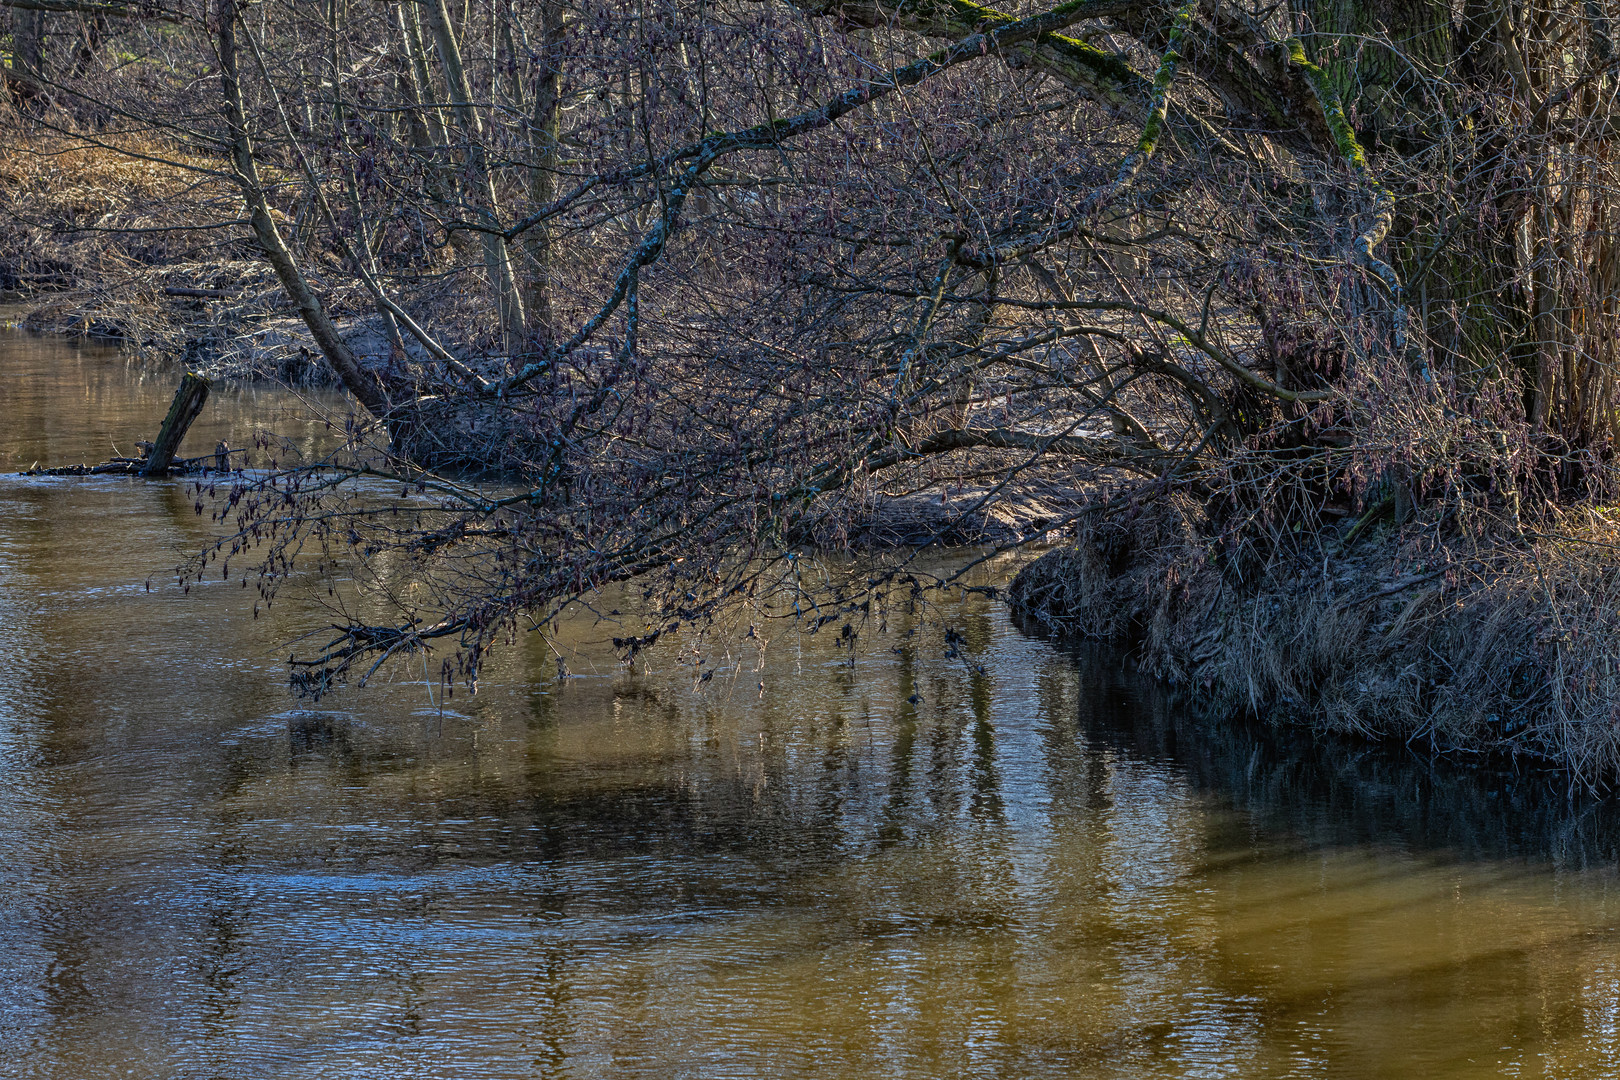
1331,789
312,732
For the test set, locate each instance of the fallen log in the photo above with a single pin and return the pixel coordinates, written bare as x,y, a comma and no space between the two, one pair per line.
157,457
199,294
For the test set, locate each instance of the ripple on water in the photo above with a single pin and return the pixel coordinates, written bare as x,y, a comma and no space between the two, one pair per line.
1039,868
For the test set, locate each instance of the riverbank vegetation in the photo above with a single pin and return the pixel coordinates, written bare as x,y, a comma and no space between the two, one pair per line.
1297,322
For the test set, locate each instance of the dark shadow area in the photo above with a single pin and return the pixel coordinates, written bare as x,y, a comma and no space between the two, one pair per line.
1334,790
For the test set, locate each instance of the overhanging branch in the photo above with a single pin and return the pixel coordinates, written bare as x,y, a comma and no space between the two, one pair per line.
89,7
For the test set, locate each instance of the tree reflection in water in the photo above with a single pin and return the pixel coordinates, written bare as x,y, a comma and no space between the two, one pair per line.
978,857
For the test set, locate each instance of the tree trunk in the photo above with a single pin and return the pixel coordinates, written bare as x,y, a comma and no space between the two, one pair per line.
543,133
188,402
497,256
28,34
359,382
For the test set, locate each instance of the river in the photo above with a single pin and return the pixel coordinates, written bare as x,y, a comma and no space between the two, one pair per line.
1041,867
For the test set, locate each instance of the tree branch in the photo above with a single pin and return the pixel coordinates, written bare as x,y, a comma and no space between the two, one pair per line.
105,10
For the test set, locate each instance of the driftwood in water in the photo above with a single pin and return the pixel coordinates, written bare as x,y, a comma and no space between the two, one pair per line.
157,457
188,402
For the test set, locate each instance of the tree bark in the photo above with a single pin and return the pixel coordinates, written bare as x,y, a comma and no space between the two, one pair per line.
497,256
359,382
543,134
28,34
187,404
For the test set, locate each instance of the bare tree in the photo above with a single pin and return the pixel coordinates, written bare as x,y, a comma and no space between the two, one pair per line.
698,280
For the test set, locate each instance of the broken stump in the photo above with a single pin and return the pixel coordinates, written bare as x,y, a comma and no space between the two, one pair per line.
157,458
188,402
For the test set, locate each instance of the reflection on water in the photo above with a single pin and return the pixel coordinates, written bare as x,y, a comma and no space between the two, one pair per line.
1040,868
66,404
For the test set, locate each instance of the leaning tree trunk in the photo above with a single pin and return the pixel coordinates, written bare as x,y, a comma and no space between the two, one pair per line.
361,383
188,403
497,256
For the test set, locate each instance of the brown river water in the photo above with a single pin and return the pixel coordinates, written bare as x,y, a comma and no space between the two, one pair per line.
1043,868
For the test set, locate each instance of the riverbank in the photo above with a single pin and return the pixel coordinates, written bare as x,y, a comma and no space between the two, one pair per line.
138,247
1502,645
133,250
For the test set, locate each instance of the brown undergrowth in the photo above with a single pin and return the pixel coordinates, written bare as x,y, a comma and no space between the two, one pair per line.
1502,643
122,238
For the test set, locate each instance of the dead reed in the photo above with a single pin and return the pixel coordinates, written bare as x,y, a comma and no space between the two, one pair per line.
1498,643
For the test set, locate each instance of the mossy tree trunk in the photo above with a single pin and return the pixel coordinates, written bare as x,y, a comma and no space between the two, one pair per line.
1507,258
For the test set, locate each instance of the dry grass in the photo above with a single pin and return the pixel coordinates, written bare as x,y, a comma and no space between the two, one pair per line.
1506,645
98,230
78,212
96,176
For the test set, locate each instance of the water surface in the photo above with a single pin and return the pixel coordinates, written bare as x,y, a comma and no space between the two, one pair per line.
1038,868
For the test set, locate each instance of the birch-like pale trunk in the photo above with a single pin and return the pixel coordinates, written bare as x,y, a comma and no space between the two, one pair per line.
480,185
